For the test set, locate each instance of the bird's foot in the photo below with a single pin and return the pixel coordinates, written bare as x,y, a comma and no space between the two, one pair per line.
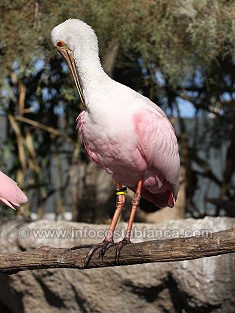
120,245
104,245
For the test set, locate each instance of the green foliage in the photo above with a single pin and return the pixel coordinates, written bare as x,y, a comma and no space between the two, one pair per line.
176,35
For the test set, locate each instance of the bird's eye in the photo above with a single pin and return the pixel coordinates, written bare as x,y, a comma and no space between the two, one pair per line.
60,44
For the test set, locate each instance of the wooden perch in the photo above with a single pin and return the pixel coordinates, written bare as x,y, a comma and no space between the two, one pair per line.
166,250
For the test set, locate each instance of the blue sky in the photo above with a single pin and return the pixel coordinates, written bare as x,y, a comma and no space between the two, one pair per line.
186,108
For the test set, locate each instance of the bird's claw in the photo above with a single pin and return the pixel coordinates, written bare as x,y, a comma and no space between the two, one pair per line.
104,245
89,255
120,245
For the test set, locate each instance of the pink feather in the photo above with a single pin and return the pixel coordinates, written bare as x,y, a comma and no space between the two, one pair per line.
10,193
139,143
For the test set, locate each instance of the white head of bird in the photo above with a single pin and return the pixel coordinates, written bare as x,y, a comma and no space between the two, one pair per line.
78,44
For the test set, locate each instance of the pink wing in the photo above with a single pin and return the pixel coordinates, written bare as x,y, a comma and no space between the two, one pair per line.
10,193
158,145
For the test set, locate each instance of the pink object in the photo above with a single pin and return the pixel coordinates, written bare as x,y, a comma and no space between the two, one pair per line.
124,132
10,193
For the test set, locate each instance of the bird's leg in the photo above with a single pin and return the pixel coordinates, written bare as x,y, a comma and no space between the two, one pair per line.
108,240
120,201
135,204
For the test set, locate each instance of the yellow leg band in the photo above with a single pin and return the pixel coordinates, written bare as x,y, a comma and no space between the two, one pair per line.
122,191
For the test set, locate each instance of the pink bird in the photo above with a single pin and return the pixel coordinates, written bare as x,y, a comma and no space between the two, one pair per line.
10,193
125,133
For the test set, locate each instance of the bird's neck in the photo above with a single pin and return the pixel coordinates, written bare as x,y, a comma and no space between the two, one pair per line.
91,73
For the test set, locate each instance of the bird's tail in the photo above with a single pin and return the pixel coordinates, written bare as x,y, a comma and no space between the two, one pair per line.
161,200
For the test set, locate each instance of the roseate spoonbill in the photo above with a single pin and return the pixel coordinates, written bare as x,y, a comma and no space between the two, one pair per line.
125,133
10,193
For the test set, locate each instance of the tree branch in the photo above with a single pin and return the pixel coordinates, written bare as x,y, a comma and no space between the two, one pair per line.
166,250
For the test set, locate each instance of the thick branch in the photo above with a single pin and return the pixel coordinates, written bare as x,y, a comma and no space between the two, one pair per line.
167,250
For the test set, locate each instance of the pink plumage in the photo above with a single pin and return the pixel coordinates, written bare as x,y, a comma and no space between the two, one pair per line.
10,193
132,139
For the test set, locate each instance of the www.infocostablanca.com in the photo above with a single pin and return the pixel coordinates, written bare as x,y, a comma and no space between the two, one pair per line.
92,233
